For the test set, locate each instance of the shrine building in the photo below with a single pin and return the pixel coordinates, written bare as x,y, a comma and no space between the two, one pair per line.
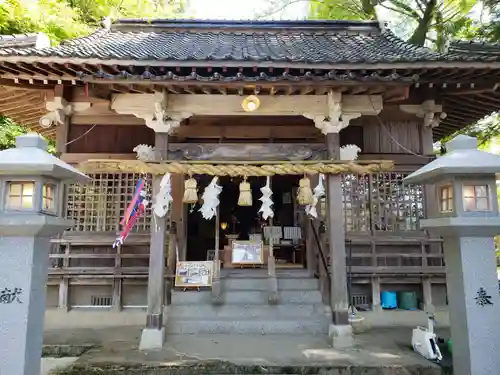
287,105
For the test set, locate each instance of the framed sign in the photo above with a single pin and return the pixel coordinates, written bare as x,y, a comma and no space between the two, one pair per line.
247,252
194,274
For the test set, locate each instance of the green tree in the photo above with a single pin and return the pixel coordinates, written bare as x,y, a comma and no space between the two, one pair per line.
91,12
424,22
67,19
52,17
9,130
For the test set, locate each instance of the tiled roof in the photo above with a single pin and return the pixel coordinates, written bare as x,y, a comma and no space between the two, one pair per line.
17,41
474,47
233,42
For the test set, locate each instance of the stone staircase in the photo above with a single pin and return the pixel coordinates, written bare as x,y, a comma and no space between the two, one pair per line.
246,310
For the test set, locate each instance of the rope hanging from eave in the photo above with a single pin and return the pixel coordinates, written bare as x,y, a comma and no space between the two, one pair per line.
234,170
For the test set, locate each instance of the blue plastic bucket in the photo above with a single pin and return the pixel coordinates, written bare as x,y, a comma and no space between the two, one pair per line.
389,300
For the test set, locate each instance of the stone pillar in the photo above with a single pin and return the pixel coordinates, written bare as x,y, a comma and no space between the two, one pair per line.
340,330
27,222
468,219
474,304
153,336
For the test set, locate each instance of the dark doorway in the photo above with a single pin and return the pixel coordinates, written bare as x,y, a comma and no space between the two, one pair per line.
238,219
234,219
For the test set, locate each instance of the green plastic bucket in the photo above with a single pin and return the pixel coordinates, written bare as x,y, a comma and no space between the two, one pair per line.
408,301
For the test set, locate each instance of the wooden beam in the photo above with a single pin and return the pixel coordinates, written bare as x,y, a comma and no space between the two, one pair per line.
231,104
28,101
23,111
83,119
399,159
240,132
75,158
306,90
11,83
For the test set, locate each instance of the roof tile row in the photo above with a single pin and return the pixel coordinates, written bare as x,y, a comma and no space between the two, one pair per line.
258,42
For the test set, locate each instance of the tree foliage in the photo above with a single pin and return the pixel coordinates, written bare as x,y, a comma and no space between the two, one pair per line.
431,23
67,19
423,22
9,130
53,17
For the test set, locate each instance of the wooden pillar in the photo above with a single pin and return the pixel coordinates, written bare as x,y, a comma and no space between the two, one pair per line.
178,213
376,305
336,238
324,281
426,148
427,294
273,296
216,287
153,335
311,245
118,281
431,208
171,261
61,148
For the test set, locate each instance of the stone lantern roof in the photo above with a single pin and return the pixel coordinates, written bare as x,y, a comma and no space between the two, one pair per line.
462,158
30,157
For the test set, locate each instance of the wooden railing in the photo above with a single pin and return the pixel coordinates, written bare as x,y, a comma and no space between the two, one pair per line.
392,255
78,259
422,256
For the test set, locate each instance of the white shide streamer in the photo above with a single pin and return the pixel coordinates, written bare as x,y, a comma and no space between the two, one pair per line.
266,199
145,152
163,198
318,193
349,152
210,199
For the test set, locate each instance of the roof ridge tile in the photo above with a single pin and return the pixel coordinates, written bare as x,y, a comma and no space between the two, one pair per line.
307,46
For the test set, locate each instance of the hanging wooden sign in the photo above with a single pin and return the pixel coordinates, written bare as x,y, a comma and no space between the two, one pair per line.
194,274
247,252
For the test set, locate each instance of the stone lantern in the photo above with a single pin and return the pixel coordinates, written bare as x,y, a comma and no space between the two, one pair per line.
31,212
467,218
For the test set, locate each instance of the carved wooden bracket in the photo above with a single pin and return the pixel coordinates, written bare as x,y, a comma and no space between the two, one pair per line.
59,109
153,108
161,122
431,112
337,118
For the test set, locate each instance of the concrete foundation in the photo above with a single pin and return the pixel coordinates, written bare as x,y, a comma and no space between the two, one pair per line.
377,352
152,339
341,336
99,318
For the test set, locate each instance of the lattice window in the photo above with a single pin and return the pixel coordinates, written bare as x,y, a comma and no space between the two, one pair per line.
395,206
379,202
100,205
355,190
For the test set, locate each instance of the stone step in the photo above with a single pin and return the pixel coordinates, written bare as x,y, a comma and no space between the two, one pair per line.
262,284
246,297
297,311
250,326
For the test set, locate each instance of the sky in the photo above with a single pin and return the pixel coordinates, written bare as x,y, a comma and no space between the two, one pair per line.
243,9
